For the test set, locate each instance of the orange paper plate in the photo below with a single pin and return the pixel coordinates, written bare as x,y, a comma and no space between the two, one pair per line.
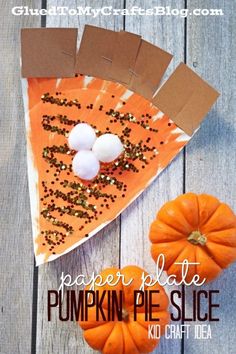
66,211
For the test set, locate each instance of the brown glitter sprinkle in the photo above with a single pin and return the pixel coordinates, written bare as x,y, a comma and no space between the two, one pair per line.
47,215
64,210
60,102
55,129
93,191
53,238
129,117
80,199
105,180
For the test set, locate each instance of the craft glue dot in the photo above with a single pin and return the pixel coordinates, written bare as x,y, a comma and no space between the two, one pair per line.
107,148
85,165
81,137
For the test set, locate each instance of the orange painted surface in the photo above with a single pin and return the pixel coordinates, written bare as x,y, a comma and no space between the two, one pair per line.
155,140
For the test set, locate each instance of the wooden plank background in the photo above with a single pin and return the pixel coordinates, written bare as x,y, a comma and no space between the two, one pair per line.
207,44
16,258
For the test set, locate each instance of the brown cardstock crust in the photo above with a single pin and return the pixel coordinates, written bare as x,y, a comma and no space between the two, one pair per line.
150,66
95,53
185,98
48,52
125,52
123,57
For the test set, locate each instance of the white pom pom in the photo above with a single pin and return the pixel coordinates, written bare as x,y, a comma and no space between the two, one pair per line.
107,148
85,165
81,137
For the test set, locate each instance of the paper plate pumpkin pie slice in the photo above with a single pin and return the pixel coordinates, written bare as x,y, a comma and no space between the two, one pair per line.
66,210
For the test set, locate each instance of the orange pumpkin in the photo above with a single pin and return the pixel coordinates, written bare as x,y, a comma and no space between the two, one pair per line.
198,228
125,336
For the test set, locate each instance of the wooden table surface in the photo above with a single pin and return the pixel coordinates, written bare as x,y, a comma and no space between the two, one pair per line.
208,45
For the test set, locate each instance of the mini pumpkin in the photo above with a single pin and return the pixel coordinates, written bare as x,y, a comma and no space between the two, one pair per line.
125,336
198,228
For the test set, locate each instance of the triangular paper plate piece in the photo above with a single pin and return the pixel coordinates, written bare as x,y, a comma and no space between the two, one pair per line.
65,210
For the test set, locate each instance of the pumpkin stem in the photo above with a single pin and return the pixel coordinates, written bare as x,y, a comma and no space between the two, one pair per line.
125,315
196,238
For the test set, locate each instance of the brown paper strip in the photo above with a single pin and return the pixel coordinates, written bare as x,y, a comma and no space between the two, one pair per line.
150,66
96,51
185,98
48,52
125,53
